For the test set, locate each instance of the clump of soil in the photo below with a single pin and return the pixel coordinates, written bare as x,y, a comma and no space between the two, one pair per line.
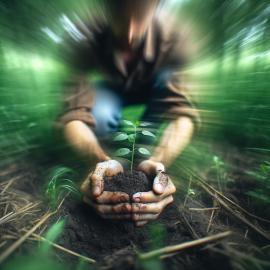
128,182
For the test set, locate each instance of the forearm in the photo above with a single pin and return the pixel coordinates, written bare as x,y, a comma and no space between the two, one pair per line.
83,141
173,141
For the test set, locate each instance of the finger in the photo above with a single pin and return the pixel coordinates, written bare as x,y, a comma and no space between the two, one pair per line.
113,167
160,182
117,217
160,167
154,208
151,168
85,187
150,196
87,200
104,209
97,179
144,217
140,223
112,197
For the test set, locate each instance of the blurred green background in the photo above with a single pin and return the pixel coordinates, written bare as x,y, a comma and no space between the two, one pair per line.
230,75
231,71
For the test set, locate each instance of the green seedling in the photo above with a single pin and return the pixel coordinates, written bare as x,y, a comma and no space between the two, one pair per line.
131,134
262,176
59,184
222,176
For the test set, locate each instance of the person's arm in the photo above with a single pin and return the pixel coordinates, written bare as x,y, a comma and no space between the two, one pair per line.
173,104
174,139
149,205
83,141
76,124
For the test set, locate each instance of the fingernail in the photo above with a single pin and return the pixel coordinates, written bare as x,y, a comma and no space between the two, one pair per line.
137,197
97,191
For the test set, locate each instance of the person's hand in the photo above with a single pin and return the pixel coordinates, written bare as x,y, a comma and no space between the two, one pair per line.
109,205
148,206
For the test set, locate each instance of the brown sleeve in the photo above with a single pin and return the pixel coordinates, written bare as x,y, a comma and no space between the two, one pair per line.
172,96
171,100
77,102
179,100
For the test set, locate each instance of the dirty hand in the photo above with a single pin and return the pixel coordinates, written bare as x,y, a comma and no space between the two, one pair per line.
109,205
147,206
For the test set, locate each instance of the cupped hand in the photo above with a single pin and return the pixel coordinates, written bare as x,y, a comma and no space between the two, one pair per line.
148,206
109,205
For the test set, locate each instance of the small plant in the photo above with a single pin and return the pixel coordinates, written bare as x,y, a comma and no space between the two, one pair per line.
132,131
262,176
222,176
60,183
219,167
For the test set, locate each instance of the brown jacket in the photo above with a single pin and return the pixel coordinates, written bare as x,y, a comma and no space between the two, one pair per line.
93,49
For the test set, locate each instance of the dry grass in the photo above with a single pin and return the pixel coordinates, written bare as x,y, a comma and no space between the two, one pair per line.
21,212
20,216
18,210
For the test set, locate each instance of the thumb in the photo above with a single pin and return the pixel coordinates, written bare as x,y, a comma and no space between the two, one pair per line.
97,181
160,182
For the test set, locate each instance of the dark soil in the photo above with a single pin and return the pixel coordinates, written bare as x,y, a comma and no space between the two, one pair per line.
128,182
113,243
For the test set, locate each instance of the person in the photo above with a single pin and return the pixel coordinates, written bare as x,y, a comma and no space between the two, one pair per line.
140,61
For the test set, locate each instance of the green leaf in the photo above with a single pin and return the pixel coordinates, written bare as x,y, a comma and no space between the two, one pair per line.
191,192
52,234
122,152
148,133
128,123
215,159
144,151
131,137
145,124
259,195
120,137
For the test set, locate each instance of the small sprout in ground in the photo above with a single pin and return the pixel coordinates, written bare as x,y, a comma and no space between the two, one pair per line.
59,184
262,176
217,162
191,192
222,177
132,130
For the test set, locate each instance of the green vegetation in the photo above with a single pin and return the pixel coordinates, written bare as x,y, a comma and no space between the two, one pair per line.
230,73
43,258
60,184
262,176
131,134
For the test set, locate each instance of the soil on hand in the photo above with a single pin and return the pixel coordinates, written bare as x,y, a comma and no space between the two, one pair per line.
128,182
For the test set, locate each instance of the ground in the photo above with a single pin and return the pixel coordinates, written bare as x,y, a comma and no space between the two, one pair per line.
200,212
